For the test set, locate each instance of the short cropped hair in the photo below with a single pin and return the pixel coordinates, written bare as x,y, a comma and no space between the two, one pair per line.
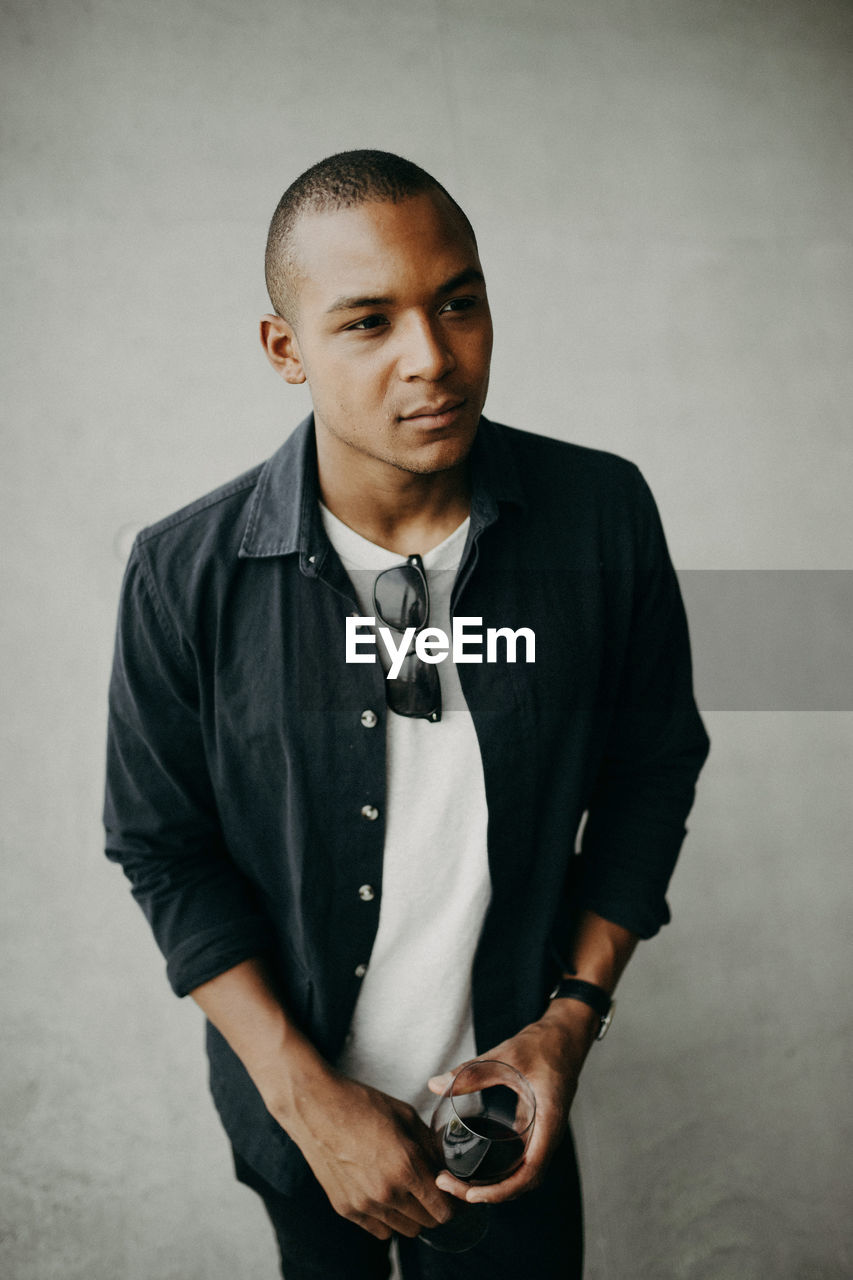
341,181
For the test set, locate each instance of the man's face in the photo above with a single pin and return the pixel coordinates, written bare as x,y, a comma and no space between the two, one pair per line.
393,332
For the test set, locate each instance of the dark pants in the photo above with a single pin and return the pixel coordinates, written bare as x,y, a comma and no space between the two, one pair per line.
540,1234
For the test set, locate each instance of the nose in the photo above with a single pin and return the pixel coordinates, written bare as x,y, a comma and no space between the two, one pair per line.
425,350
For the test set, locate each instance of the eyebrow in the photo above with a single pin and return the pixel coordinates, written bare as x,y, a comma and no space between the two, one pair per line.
470,275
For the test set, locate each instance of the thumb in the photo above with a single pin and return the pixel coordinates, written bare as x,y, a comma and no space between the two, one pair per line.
438,1084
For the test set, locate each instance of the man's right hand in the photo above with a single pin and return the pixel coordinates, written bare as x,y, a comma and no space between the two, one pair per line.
372,1155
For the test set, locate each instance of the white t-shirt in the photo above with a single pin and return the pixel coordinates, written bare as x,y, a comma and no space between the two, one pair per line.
413,1017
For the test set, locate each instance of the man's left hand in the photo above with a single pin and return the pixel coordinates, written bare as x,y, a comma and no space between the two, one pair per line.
550,1054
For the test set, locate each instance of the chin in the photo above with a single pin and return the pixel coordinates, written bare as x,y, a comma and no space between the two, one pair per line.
441,455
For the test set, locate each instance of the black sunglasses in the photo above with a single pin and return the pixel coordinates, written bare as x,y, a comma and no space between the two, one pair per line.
401,600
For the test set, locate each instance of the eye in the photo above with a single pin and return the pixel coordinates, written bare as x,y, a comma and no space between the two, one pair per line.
366,323
459,304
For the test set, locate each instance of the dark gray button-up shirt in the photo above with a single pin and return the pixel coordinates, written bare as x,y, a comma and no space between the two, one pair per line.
246,759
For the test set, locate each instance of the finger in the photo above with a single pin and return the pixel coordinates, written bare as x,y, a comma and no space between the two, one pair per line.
374,1226
411,1218
384,1220
509,1188
406,1224
416,1196
429,1205
441,1083
524,1179
453,1186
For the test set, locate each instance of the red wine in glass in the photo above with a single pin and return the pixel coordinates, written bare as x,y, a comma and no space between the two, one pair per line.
482,1124
486,1150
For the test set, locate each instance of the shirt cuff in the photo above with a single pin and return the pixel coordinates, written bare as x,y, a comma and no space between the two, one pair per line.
205,955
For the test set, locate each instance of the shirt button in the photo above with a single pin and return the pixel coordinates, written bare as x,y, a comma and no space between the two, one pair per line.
369,719
360,970
366,893
370,812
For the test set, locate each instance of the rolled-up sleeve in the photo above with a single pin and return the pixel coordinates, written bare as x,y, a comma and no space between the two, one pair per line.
655,748
160,812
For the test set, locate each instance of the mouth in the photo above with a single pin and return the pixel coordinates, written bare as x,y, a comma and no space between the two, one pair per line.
443,414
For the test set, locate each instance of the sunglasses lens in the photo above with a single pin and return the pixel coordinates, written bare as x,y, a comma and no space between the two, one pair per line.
416,690
400,598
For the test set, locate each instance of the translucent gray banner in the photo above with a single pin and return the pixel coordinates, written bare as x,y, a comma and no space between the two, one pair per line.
762,639
771,639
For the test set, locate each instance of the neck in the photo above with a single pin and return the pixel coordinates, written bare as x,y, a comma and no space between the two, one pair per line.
400,510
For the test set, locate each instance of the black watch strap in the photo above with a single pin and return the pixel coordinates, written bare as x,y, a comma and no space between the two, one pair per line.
588,993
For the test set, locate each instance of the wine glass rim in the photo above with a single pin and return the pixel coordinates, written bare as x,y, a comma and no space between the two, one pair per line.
525,1085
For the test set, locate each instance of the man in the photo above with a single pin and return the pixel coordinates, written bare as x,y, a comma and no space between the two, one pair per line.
365,879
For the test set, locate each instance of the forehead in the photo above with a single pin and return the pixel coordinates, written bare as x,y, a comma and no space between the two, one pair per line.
380,248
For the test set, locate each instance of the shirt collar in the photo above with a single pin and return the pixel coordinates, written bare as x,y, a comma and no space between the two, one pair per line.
284,514
494,475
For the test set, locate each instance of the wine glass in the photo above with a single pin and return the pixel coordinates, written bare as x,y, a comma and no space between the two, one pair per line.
482,1124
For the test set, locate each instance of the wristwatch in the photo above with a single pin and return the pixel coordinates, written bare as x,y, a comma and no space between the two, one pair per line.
588,993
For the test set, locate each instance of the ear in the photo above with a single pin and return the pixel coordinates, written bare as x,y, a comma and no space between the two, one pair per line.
278,340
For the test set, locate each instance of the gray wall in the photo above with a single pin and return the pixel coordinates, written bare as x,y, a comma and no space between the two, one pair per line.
663,194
